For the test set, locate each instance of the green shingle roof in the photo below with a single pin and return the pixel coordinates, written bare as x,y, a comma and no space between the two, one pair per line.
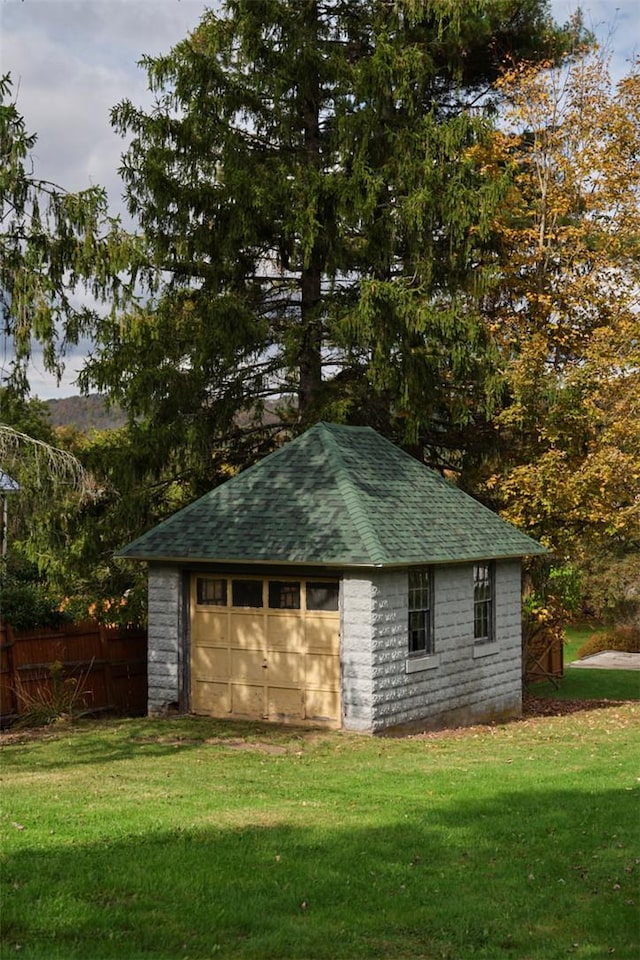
335,496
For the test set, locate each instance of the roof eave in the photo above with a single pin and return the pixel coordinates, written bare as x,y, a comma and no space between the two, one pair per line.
329,564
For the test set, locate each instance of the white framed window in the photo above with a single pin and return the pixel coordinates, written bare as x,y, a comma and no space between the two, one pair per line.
483,602
421,639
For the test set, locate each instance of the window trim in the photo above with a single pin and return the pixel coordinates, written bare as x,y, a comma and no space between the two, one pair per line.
419,663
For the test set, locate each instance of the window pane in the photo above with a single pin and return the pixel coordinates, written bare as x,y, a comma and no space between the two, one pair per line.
210,591
419,590
481,577
284,595
417,632
247,593
481,624
322,596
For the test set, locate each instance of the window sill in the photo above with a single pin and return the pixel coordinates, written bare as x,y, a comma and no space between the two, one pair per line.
485,649
418,664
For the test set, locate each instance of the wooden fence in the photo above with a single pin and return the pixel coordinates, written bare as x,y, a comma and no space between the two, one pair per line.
109,666
543,659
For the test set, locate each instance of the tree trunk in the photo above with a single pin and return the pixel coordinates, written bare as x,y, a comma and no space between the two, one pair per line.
310,344
310,349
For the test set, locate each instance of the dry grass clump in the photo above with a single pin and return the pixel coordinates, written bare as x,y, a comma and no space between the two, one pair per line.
625,638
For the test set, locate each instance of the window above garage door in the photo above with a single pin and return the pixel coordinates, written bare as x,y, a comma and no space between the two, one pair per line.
246,592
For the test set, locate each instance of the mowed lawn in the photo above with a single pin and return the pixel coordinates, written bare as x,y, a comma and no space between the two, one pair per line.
189,838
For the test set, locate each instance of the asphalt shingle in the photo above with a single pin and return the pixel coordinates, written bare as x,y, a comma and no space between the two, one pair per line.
337,496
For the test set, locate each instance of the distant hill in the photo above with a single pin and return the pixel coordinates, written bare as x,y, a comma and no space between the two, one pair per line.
92,413
84,413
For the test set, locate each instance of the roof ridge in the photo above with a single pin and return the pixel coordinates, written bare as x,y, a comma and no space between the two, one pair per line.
360,517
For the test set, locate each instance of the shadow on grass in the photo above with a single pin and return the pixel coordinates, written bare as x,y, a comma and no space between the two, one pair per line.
521,875
115,740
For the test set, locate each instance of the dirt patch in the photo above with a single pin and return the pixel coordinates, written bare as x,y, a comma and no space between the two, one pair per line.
272,748
8,737
231,744
548,707
32,733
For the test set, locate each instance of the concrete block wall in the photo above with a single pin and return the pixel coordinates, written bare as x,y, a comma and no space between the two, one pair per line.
166,637
462,682
356,609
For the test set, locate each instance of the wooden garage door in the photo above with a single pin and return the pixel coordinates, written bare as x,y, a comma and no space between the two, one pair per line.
265,649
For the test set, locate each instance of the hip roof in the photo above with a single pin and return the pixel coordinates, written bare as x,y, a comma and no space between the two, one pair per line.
335,496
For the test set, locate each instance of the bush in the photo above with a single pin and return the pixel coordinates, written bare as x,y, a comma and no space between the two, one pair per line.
624,638
26,606
127,611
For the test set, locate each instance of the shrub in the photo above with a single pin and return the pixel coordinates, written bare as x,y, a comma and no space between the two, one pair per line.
26,606
127,611
624,638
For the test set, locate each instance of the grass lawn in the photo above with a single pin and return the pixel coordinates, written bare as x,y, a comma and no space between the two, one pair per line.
188,838
584,684
576,635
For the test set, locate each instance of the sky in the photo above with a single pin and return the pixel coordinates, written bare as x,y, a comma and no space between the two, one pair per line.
71,61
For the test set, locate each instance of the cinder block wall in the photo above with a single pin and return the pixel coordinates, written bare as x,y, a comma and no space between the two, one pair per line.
462,683
356,606
166,635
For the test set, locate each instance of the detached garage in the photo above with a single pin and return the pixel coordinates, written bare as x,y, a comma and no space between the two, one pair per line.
337,582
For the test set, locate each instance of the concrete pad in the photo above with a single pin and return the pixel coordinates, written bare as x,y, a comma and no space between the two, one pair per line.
609,660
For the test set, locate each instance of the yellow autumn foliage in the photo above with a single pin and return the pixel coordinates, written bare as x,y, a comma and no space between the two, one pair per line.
566,317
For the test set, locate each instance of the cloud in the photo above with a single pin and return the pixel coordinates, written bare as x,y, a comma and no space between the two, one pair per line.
73,60
615,23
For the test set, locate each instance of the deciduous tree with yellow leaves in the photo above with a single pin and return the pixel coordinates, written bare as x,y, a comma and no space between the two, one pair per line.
566,311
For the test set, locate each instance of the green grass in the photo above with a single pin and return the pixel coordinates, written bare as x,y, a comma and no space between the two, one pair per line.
583,684
575,636
188,838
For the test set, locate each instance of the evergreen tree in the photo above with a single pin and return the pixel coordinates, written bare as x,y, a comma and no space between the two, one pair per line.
315,217
53,245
